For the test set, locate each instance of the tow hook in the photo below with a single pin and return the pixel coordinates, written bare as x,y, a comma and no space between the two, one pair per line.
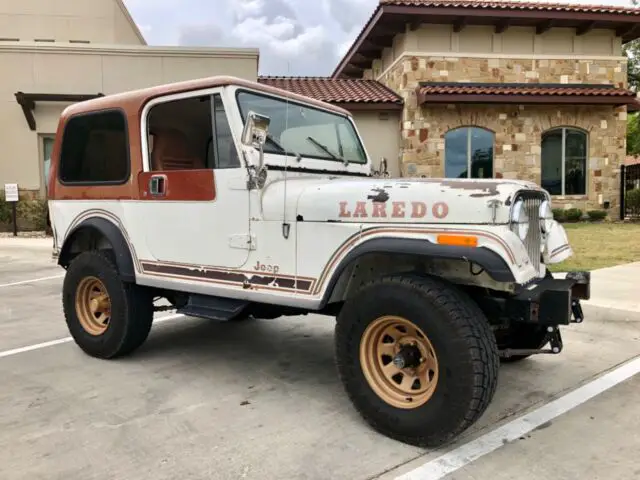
555,342
576,310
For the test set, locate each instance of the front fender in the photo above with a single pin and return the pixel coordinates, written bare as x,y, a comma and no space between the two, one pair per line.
557,248
495,266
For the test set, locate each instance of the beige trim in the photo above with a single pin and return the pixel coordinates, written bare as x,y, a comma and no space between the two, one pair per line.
534,56
131,21
135,50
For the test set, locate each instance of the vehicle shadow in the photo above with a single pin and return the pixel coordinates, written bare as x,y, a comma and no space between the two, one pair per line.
292,350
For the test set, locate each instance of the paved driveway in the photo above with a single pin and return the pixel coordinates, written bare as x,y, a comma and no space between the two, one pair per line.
261,400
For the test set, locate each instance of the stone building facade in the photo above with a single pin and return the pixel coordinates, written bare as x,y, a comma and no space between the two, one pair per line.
528,91
517,129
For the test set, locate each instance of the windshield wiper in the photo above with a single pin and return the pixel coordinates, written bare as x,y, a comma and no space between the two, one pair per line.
281,148
324,147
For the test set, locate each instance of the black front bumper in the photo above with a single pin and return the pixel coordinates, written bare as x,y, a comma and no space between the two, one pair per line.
551,301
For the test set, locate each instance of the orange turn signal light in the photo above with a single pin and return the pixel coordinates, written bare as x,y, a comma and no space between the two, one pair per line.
458,240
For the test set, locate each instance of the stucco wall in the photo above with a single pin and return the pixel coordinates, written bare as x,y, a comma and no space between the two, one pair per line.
381,133
89,70
95,21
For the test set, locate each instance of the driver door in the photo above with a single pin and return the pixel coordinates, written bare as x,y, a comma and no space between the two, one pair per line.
195,204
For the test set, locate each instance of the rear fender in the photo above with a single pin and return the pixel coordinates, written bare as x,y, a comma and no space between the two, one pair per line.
99,234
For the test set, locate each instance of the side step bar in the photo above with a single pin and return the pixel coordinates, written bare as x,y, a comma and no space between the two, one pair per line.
213,308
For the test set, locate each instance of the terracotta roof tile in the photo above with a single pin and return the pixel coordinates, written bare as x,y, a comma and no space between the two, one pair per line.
334,90
517,5
501,89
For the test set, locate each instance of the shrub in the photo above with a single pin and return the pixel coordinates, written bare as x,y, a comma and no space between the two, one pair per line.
559,215
5,210
32,214
597,215
573,214
632,201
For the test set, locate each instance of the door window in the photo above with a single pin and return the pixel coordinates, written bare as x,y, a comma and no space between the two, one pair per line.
191,133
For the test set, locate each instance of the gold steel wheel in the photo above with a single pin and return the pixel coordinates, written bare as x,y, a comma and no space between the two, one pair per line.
93,306
399,362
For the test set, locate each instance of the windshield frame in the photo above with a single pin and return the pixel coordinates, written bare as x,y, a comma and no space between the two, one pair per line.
269,150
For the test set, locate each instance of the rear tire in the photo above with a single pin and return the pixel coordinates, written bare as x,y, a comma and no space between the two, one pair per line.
461,358
106,317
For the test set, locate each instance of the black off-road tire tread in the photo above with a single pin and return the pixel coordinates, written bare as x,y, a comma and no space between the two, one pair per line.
137,307
474,330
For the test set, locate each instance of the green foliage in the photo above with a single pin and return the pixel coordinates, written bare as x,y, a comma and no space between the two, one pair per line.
632,51
32,214
632,201
573,214
633,134
559,215
597,215
5,210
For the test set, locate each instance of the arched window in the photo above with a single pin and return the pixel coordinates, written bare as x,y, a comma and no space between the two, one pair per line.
468,153
564,161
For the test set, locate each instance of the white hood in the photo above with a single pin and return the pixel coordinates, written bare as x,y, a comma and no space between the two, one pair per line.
379,200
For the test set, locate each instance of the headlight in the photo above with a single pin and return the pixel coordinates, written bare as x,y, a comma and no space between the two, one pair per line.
520,220
546,216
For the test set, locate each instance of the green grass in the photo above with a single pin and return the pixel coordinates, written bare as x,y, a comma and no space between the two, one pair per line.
600,245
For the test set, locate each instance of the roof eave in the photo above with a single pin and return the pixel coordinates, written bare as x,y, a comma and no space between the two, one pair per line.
626,26
461,98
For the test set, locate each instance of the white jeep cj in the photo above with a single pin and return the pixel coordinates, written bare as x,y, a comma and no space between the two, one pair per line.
232,199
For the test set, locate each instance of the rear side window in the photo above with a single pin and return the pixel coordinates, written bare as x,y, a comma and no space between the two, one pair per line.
95,149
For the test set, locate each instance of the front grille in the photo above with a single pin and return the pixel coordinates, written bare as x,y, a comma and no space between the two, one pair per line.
532,202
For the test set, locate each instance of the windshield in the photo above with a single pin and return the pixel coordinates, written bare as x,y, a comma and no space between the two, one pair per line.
304,130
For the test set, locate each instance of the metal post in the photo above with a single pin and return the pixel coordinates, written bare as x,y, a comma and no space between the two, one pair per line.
14,215
623,187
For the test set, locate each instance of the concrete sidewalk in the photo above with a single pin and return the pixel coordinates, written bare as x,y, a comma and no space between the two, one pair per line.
615,287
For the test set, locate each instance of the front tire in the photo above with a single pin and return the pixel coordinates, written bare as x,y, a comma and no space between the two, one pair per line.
417,358
106,317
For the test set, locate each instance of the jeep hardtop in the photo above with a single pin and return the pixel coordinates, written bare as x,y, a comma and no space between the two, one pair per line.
228,199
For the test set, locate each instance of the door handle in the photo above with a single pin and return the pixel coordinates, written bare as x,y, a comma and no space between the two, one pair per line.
158,185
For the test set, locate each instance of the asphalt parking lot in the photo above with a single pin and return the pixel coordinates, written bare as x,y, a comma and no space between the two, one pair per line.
262,400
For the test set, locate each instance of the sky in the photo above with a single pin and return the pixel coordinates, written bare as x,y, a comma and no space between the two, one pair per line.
295,37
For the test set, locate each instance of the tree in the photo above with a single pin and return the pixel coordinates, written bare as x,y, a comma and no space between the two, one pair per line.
632,51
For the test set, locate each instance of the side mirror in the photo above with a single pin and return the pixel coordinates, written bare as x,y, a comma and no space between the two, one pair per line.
254,134
255,130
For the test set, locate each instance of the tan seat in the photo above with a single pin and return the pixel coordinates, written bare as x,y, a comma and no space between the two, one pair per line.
171,151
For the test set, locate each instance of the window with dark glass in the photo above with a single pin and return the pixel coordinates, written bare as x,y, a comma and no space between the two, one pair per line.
468,153
564,161
95,149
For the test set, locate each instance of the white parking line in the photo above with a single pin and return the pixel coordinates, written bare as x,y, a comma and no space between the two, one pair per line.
60,341
33,280
450,462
